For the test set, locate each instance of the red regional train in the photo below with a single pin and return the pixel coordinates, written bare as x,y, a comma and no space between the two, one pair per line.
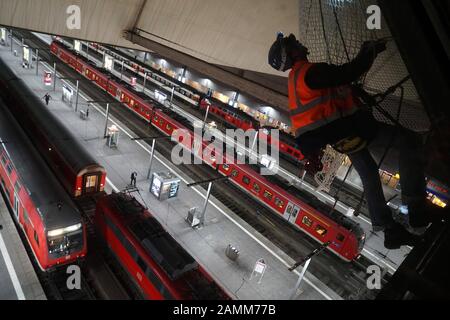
159,267
78,172
51,224
220,111
346,236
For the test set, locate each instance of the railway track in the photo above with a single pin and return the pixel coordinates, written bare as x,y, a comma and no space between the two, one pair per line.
348,280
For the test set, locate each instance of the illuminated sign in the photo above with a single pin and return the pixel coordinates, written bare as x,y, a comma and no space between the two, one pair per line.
77,45
3,34
109,62
48,78
437,188
164,186
161,97
26,54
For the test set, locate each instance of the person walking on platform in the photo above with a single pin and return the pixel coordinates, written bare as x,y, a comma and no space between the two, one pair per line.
325,109
47,98
133,179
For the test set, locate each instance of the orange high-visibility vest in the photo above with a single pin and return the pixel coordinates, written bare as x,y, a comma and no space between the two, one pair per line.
311,109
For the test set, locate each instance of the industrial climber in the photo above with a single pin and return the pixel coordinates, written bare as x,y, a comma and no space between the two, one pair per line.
325,110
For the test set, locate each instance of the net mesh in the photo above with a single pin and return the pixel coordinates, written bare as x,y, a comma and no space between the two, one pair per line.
334,30
331,161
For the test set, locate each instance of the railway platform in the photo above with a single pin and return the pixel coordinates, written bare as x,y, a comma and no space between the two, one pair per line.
208,244
18,279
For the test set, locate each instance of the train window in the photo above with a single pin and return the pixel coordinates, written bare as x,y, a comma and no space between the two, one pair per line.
169,127
234,173
155,118
279,203
307,221
26,218
129,247
3,159
153,278
132,102
141,263
246,180
36,238
17,187
268,195
340,237
321,230
226,167
9,168
256,187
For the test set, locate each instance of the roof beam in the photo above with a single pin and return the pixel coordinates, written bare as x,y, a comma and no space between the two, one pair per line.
271,97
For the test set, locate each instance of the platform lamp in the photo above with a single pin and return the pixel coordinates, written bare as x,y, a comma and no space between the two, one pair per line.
152,154
306,261
108,103
210,183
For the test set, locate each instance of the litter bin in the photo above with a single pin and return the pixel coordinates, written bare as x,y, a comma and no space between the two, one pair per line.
232,252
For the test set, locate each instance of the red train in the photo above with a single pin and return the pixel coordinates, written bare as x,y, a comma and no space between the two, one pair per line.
78,172
346,237
159,267
51,224
235,118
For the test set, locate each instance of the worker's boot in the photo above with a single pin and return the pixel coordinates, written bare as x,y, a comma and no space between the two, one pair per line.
396,236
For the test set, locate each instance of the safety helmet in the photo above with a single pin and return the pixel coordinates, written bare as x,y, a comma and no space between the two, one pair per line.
281,52
278,56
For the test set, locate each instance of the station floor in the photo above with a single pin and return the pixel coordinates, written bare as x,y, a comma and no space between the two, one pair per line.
222,227
374,247
18,280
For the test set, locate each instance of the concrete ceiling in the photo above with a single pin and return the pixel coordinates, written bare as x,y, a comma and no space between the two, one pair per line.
225,39
232,33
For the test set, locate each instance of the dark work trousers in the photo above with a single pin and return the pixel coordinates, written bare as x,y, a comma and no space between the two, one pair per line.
406,156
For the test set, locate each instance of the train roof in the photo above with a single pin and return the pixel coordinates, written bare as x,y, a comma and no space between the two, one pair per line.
66,143
44,189
156,241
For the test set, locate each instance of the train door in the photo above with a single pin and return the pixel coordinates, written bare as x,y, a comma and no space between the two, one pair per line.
291,212
91,183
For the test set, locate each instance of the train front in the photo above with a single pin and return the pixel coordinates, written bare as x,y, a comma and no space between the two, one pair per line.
66,237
